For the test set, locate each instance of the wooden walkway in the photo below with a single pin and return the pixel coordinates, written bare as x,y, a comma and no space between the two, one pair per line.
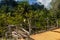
48,35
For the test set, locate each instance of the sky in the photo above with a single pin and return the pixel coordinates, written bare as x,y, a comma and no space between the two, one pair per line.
46,3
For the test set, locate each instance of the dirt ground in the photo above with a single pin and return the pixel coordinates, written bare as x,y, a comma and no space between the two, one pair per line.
49,35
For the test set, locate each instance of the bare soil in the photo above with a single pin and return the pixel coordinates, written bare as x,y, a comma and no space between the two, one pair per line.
49,35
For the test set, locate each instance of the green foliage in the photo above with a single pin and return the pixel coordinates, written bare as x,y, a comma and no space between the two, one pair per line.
37,16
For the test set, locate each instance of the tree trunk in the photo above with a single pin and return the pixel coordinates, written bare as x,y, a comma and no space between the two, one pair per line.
25,31
57,23
47,23
29,23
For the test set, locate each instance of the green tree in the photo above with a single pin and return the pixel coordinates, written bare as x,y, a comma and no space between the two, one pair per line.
56,10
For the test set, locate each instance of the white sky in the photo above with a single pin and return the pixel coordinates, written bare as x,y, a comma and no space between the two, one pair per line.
45,2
